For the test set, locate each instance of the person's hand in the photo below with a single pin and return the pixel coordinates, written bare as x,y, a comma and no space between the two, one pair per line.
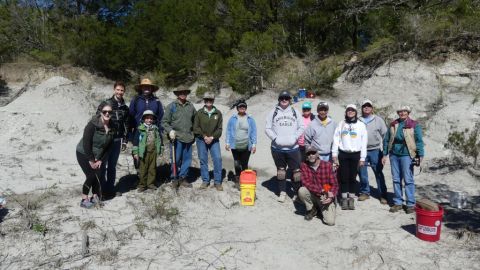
384,160
172,135
335,164
227,147
326,200
254,149
92,164
98,164
330,194
361,163
135,157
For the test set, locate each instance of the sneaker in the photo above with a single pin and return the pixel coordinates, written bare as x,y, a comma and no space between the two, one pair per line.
395,208
311,214
344,203
96,201
409,209
282,197
141,189
219,187
363,197
86,204
184,183
204,185
351,204
152,186
383,200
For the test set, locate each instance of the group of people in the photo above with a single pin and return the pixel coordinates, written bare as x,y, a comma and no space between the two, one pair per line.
320,156
323,158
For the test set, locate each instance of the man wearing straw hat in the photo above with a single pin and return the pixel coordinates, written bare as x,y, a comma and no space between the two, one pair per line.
178,124
145,100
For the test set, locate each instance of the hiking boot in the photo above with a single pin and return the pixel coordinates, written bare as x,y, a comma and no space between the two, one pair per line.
311,214
152,186
175,184
219,187
395,208
184,183
409,210
204,185
141,189
383,200
86,204
344,203
351,204
281,198
363,197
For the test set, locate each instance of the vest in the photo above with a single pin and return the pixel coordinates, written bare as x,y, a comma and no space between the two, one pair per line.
408,134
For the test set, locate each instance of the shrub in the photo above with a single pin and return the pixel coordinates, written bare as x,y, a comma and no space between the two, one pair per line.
465,142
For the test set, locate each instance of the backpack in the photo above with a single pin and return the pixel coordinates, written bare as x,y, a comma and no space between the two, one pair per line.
293,111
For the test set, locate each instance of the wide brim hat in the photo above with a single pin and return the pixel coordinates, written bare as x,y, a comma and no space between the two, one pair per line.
146,82
182,88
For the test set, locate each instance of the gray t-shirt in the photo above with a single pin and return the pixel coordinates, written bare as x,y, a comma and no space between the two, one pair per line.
241,133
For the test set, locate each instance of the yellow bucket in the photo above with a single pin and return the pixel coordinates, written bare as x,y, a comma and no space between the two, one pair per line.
247,194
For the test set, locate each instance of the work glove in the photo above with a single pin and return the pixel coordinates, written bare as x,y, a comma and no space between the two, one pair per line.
171,134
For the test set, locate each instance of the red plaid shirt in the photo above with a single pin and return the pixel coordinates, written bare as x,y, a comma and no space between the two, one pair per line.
314,180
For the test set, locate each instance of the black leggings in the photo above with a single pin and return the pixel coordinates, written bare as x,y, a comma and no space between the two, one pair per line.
240,160
91,181
348,170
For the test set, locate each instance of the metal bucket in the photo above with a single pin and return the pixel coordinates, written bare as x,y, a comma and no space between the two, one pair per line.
458,199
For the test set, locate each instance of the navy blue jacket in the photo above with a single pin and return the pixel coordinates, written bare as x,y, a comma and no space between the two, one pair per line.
139,104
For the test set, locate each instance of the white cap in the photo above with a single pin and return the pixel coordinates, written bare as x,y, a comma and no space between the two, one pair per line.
404,108
351,106
367,101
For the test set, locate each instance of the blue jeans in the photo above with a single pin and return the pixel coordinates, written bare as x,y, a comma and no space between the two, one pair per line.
402,168
214,149
183,158
110,167
374,160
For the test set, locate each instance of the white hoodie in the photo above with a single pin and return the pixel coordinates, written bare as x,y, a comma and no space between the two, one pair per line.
350,137
284,129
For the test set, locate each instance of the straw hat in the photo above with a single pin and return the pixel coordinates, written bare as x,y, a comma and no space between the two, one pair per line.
148,82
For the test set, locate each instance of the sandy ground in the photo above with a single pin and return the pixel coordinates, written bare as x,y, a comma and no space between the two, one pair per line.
45,228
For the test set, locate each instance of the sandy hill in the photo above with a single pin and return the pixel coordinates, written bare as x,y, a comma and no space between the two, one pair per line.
45,228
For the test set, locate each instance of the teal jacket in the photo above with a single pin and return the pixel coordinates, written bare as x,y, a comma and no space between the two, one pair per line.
399,146
140,141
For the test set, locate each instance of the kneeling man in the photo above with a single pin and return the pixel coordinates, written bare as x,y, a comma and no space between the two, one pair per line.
319,187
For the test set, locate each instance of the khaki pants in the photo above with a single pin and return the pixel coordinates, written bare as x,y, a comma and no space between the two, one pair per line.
327,210
148,169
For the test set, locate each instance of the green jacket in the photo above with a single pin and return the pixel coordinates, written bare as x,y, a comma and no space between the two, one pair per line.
95,142
140,141
179,117
205,125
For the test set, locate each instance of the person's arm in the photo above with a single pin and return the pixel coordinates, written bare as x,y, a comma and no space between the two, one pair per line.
167,118
160,113
197,129
383,127
386,140
269,127
136,141
217,133
253,136
364,141
309,133
417,133
88,141
132,121
300,127
228,132
336,141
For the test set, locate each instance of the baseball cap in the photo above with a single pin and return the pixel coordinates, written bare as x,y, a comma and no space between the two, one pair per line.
367,101
322,104
307,105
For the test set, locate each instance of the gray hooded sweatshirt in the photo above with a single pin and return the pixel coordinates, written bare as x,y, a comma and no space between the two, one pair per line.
284,128
376,130
321,136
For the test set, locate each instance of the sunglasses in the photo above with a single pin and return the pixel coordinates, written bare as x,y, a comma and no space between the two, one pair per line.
106,112
311,153
284,98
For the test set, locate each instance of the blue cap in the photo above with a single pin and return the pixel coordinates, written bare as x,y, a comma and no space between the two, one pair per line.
307,105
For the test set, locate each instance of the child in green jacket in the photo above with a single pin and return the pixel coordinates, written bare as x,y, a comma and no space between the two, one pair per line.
146,148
